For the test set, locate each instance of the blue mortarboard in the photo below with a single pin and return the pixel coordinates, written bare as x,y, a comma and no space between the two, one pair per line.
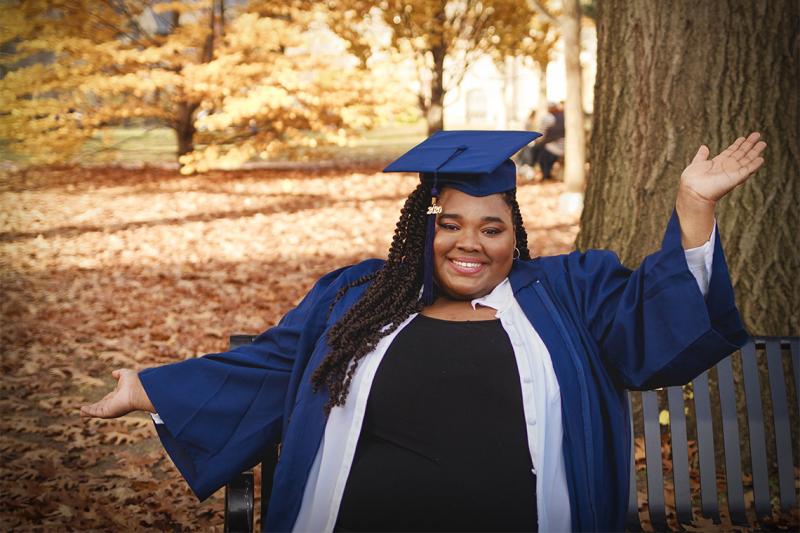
474,162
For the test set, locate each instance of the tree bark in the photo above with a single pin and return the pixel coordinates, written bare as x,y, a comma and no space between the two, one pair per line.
575,137
672,76
184,115
208,46
184,127
434,114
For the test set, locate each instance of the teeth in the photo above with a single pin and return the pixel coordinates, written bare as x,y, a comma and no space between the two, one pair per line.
467,265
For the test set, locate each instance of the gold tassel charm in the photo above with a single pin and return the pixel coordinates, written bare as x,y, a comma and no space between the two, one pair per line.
434,209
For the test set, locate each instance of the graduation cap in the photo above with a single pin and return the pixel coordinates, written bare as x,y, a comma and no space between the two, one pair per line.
474,162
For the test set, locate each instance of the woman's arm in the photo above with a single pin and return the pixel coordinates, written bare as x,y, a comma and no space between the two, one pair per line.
220,411
652,324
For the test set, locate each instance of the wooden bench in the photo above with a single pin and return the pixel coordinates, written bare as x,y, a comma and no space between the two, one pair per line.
768,476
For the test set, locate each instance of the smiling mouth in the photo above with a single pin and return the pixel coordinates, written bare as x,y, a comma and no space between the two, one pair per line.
466,267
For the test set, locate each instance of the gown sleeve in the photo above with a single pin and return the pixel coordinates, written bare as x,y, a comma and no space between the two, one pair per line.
221,410
653,325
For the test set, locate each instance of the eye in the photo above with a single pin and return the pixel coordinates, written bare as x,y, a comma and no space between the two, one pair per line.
448,226
493,231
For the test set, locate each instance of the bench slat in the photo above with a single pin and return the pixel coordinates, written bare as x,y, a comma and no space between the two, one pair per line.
780,412
240,340
239,494
755,425
730,437
652,451
794,346
680,455
705,447
633,500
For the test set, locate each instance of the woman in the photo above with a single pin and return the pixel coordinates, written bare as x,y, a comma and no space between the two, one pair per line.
458,382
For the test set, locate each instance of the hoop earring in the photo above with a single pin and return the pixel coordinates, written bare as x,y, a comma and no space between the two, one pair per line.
516,250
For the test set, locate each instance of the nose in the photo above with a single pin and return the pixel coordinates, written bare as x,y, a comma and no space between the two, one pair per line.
468,241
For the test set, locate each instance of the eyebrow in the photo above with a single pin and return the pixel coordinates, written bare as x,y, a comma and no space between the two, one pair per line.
459,217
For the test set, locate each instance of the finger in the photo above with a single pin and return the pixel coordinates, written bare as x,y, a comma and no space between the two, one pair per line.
754,152
701,155
91,410
115,374
745,171
727,152
747,145
754,165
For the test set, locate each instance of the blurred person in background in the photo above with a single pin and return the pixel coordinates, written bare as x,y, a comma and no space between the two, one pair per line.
549,149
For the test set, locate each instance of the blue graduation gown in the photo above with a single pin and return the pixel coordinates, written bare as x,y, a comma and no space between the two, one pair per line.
606,327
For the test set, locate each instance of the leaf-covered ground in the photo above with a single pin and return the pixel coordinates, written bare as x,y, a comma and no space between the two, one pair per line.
108,268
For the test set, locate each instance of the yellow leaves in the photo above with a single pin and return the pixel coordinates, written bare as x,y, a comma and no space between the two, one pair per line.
13,24
214,157
175,6
260,34
274,85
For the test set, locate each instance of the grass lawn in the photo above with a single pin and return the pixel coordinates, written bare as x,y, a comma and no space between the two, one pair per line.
157,145
130,145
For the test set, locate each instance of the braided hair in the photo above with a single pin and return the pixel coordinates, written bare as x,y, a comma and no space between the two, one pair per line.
392,296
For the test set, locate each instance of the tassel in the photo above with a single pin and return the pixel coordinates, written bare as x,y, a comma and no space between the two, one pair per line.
430,232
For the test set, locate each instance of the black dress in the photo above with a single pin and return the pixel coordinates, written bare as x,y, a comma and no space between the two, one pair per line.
443,446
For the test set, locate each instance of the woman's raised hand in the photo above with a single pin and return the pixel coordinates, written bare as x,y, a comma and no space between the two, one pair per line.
712,179
705,181
128,396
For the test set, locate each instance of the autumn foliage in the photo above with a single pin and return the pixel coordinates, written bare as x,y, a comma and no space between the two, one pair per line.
437,40
234,81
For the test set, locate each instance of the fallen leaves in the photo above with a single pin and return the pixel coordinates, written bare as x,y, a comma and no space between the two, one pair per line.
111,268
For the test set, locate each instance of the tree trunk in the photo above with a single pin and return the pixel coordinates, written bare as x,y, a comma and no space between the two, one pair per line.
672,76
434,114
541,101
208,46
184,127
575,138
184,117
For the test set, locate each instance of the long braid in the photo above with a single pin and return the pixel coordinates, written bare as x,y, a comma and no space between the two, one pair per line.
392,297
519,228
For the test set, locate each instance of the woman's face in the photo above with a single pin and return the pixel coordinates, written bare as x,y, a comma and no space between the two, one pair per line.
474,244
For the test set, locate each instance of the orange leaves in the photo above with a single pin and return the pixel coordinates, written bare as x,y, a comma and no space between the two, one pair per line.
108,268
76,376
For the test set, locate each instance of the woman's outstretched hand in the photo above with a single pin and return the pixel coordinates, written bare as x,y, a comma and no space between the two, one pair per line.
712,179
128,396
705,181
